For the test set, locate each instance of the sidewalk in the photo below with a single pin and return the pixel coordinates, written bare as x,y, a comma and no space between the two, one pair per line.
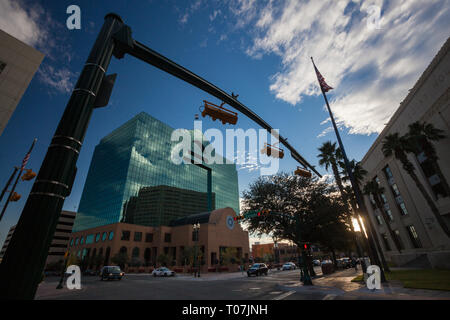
339,285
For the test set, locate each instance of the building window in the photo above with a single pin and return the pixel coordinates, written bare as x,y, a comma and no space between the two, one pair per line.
403,208
71,242
76,241
138,236
149,237
111,235
379,220
414,237
82,240
429,169
125,235
386,242
399,239
167,237
97,237
389,213
105,234
89,239
195,235
135,253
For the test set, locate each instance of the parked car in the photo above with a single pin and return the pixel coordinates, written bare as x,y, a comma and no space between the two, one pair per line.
163,272
289,266
344,263
316,262
257,269
111,272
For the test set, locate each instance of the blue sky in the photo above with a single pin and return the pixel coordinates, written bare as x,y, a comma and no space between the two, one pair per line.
258,49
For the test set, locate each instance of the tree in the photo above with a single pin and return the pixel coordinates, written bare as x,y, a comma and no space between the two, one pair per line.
229,255
329,157
421,137
310,211
121,259
372,188
163,259
398,146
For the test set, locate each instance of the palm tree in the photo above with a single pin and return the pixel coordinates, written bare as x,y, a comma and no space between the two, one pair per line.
421,137
329,157
399,146
372,188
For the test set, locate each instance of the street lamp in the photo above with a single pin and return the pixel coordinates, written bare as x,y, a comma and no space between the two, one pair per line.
196,228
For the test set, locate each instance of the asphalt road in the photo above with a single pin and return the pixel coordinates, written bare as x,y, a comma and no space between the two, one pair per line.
136,286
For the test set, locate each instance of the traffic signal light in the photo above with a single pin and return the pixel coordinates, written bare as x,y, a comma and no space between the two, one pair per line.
219,112
263,213
303,173
272,151
15,197
28,175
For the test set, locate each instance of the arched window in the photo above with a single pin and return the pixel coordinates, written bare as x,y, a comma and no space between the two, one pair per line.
100,252
147,256
111,235
104,236
107,253
97,237
135,253
123,250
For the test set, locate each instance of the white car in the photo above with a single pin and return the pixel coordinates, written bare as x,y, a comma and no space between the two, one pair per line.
289,266
163,272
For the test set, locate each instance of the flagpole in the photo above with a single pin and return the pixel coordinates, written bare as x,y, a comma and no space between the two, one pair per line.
8,183
17,180
356,190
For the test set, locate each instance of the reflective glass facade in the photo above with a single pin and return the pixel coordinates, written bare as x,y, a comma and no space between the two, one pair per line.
137,155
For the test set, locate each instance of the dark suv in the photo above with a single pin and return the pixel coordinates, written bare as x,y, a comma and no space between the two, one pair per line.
258,269
111,272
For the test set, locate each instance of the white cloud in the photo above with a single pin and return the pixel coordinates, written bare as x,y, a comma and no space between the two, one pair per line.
190,10
20,23
371,70
32,24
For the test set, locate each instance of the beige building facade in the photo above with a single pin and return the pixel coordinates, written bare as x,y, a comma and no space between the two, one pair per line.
420,238
144,244
18,64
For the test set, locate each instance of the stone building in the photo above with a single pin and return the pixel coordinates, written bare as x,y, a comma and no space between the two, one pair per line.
417,239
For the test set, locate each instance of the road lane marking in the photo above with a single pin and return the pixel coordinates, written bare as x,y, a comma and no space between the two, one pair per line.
330,297
284,295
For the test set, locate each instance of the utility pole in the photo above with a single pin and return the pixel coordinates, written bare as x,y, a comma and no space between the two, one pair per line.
8,183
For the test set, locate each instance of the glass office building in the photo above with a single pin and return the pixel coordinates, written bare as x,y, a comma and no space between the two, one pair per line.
138,155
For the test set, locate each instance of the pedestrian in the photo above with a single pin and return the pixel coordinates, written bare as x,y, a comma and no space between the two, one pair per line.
354,264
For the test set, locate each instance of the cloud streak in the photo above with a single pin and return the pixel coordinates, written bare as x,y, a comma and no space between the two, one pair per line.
370,69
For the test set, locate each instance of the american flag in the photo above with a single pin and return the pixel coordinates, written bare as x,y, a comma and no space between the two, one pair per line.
25,161
323,85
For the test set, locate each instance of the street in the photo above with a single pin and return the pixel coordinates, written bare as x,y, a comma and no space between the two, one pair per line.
278,285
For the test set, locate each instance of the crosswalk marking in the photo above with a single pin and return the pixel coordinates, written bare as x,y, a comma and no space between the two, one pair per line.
284,295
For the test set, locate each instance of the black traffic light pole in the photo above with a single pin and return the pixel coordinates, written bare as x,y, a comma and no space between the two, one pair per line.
8,183
24,260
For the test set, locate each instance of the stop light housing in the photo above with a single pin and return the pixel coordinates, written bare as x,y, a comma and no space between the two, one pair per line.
272,151
219,112
28,175
238,218
15,197
303,173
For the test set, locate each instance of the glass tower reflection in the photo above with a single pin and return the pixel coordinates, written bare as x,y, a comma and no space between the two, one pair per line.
137,155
